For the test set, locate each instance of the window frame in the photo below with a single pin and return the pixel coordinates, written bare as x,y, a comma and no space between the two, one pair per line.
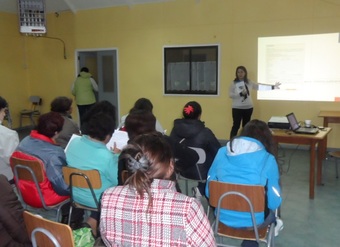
192,92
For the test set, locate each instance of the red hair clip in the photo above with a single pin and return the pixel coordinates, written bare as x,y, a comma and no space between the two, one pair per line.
189,109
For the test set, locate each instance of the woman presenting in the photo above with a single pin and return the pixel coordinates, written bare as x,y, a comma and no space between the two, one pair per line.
242,105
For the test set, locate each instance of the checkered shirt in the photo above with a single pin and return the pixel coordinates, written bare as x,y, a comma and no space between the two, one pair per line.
173,220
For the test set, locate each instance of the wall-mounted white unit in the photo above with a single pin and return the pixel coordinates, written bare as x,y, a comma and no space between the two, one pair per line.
32,17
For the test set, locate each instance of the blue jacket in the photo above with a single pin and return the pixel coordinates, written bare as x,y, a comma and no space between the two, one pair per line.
249,163
53,157
86,154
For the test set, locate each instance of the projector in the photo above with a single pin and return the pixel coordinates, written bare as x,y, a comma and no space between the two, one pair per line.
280,122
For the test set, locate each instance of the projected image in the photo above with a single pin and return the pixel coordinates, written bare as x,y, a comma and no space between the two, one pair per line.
308,67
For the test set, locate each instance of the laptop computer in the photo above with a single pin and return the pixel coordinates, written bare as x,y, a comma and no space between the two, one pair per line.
295,126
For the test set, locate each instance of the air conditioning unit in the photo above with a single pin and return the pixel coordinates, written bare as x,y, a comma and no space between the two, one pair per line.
32,17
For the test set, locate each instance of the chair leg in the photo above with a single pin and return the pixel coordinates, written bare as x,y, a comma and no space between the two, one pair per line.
69,215
336,168
187,187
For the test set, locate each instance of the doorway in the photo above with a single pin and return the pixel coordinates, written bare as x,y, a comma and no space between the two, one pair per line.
102,64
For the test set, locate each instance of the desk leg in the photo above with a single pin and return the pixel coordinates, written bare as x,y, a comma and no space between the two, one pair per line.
312,169
322,148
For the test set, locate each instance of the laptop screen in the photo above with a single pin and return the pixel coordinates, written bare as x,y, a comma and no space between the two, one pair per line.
294,124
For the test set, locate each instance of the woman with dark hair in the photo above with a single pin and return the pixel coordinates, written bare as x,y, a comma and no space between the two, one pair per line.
191,131
147,210
63,106
239,92
90,152
83,89
103,106
249,159
142,104
41,143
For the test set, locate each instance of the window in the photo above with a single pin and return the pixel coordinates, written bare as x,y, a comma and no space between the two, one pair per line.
191,70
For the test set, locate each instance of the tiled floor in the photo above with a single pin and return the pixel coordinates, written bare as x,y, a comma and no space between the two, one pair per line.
307,223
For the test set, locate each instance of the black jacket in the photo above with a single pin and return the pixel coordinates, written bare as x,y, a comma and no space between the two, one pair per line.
194,134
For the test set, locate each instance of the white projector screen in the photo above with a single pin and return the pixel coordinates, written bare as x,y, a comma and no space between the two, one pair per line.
307,66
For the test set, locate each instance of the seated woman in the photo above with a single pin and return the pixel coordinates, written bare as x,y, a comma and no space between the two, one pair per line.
12,225
41,143
63,106
191,131
90,152
148,211
8,143
249,159
142,104
103,106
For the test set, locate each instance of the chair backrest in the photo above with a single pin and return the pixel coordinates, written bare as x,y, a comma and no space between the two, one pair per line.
89,179
40,227
36,102
242,198
255,193
201,155
35,166
33,186
79,177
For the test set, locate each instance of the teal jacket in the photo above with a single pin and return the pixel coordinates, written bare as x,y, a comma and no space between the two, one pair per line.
86,154
249,163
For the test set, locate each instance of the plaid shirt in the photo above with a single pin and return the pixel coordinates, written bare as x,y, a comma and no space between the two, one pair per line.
173,220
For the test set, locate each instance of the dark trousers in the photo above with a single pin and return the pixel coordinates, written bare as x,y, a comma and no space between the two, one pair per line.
239,115
82,109
269,219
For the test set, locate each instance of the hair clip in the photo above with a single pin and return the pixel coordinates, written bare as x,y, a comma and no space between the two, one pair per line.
137,163
188,109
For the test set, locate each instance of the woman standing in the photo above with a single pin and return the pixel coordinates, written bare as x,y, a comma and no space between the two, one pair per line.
83,89
242,105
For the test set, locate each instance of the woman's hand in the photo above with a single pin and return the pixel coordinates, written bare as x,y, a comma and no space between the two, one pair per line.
277,85
114,149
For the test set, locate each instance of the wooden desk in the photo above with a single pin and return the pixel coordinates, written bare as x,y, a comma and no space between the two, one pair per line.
318,140
329,117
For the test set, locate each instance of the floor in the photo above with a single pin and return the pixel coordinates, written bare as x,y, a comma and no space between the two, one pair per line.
307,223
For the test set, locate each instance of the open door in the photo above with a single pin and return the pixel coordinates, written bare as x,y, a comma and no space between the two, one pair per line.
103,67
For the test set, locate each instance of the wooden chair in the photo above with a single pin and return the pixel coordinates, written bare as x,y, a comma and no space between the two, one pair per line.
242,198
32,171
87,179
47,233
34,110
201,160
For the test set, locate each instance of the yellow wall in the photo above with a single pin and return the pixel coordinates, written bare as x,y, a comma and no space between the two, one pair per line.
140,32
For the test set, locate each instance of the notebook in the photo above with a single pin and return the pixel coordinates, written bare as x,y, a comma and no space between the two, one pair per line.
295,126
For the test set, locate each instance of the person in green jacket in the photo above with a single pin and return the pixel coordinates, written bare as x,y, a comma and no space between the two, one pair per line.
84,88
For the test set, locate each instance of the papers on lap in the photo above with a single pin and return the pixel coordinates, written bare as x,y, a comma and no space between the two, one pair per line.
119,137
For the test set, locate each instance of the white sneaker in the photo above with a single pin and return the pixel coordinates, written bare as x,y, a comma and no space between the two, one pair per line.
279,226
196,193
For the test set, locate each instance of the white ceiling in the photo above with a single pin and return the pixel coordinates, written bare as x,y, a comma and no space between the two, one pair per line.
75,5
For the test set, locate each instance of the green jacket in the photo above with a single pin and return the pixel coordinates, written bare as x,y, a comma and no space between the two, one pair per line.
83,89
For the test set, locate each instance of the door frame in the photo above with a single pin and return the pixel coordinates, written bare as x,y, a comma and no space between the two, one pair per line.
95,50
